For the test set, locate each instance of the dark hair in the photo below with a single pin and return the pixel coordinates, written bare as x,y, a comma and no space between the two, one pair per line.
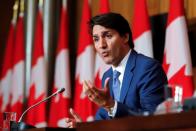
113,21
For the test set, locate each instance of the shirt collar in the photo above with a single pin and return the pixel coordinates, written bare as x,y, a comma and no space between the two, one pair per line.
121,67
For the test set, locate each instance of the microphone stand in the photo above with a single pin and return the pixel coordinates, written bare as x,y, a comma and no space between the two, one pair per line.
15,126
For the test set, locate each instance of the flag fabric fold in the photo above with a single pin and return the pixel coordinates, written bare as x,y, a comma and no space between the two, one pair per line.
59,108
18,76
104,6
6,72
84,67
142,35
177,60
37,90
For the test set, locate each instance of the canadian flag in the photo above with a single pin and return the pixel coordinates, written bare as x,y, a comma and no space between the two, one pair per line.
84,67
142,35
38,85
18,76
6,72
177,61
59,108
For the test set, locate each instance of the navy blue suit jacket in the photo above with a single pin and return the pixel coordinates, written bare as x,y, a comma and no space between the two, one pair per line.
142,87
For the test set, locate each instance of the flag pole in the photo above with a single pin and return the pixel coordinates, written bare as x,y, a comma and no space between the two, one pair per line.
15,11
21,6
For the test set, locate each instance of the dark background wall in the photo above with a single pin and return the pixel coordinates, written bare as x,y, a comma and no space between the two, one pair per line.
5,18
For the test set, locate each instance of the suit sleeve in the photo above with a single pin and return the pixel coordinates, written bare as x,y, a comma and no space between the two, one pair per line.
102,114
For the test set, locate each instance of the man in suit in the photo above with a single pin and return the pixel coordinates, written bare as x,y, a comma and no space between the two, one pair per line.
134,83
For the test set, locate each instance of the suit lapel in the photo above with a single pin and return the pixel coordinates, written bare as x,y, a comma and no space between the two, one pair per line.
110,75
128,75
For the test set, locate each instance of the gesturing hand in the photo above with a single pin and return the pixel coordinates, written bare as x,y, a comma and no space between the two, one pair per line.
71,122
99,96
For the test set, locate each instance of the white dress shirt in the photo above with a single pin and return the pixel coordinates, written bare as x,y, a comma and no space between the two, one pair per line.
120,68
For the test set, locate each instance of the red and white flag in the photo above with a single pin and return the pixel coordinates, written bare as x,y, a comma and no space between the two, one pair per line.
142,35
84,67
37,90
18,76
6,72
59,108
177,60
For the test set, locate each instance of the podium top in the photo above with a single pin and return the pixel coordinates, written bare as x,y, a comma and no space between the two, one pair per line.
51,129
174,121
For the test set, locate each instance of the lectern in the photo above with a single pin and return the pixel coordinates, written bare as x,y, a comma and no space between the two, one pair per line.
50,129
177,121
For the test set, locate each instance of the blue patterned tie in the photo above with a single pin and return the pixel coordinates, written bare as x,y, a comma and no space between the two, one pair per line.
116,85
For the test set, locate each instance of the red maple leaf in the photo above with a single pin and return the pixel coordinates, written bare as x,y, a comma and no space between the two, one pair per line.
179,78
183,80
165,65
62,105
35,115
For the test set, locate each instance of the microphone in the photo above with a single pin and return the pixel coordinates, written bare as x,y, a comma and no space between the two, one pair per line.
36,104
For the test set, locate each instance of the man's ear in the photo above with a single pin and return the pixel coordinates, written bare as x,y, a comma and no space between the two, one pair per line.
126,38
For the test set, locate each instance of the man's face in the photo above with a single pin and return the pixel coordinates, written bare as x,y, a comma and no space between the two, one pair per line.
109,44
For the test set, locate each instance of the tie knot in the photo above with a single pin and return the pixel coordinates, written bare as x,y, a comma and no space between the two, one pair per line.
116,74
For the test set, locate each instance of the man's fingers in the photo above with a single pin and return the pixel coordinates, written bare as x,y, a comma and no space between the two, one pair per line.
93,89
88,88
89,84
67,120
71,122
70,125
85,85
75,115
106,83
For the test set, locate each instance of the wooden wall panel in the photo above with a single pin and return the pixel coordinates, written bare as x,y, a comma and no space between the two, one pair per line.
164,6
95,7
153,7
124,7
190,6
5,18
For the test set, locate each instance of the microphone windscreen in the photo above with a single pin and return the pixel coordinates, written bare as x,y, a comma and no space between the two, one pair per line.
62,89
